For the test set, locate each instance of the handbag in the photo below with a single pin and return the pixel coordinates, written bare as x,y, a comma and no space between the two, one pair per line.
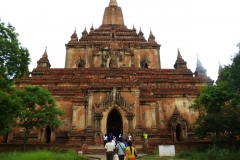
115,157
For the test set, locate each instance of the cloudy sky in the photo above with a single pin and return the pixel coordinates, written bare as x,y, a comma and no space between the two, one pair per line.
207,28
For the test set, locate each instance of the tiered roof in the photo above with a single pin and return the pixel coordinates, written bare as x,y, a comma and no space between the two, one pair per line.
153,83
113,30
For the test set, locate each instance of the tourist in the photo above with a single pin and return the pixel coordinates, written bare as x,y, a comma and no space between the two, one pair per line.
120,136
114,138
110,136
129,137
120,149
130,151
145,136
105,138
113,141
125,142
110,149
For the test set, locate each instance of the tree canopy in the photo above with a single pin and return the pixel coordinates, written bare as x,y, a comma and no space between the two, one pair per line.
14,59
219,104
38,109
9,111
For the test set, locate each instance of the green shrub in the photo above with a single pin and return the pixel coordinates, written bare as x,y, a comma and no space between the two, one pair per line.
184,154
212,153
155,153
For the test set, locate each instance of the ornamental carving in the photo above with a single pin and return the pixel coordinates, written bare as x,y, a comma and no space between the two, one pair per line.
113,98
98,109
80,63
145,62
177,119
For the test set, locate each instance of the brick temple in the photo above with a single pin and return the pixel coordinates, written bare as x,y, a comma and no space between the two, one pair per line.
113,83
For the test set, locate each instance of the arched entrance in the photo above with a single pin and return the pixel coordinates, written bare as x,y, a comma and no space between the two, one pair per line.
179,132
114,123
48,134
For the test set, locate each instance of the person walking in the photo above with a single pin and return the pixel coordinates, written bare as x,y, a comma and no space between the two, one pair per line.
125,142
130,152
120,149
110,149
145,136
129,137
105,138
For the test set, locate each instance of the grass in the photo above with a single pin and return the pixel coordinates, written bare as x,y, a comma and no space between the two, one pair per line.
213,153
41,155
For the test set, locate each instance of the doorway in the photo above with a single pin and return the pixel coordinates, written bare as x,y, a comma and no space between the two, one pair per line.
48,134
179,132
114,123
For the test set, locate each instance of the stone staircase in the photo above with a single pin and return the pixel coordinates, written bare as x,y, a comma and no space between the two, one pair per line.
100,150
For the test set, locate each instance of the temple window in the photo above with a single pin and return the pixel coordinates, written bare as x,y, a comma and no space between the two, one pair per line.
145,62
80,63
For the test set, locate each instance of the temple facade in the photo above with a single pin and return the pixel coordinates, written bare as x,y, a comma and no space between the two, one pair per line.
113,83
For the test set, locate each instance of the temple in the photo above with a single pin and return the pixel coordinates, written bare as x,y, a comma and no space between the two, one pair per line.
113,83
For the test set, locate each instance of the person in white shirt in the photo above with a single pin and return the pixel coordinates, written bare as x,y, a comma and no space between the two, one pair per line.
105,137
129,137
110,148
113,141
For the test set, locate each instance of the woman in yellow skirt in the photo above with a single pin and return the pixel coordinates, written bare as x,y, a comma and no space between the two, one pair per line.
129,151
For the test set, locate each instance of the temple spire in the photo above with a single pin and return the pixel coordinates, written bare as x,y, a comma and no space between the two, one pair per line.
179,54
133,29
180,63
113,14
84,33
91,29
200,70
44,62
140,34
199,64
74,36
151,37
45,53
113,3
140,31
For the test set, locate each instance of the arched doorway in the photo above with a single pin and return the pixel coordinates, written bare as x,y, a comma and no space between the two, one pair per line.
48,134
179,132
114,123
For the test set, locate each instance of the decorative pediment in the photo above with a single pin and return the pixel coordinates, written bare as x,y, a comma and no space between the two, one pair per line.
113,98
145,62
177,119
80,63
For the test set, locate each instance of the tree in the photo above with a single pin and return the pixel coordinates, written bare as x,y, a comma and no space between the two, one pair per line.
9,110
219,104
14,61
38,109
